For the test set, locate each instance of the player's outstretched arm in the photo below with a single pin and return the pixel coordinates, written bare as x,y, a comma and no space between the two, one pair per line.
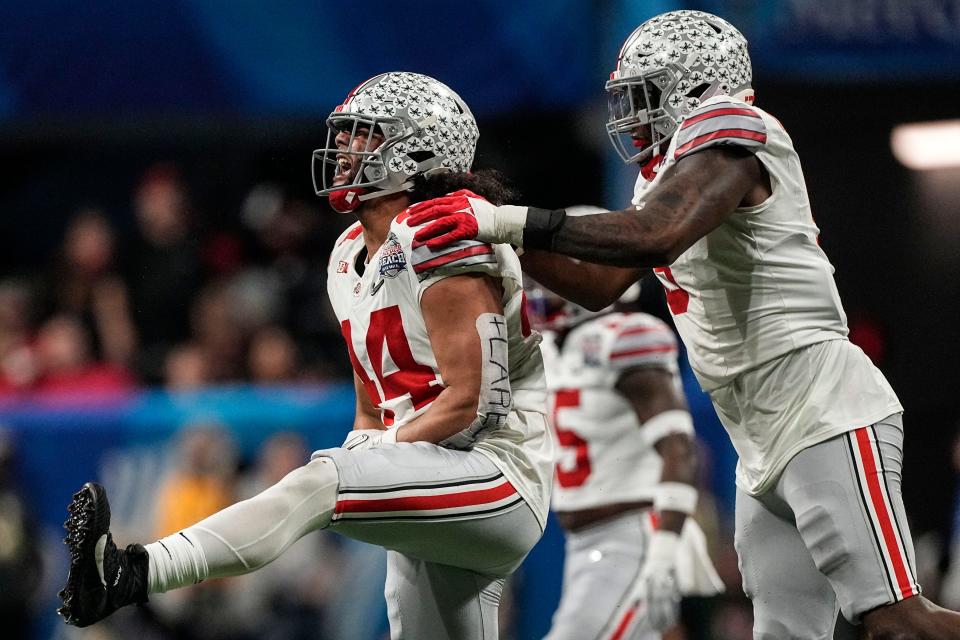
451,309
700,192
593,286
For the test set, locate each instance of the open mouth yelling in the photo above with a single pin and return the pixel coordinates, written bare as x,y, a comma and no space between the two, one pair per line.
345,172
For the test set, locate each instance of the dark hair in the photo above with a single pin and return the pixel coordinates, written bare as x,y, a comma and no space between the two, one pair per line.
488,183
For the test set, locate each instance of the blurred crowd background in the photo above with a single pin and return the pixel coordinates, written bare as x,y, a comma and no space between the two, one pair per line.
163,318
162,294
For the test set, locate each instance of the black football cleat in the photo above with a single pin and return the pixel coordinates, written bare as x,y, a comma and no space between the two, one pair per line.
102,578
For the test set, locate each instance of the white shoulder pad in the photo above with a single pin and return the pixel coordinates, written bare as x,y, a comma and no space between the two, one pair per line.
720,123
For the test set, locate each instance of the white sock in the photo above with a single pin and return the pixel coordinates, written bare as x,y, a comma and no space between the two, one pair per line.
175,561
249,534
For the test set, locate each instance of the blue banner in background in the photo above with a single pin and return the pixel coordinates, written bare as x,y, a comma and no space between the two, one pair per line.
63,444
128,442
111,59
849,40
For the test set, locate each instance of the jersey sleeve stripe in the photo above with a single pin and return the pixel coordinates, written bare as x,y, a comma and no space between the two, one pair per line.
422,252
448,259
642,341
632,331
719,124
723,123
723,111
743,137
643,351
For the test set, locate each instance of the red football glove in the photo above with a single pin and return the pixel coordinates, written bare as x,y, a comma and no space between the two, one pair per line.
453,219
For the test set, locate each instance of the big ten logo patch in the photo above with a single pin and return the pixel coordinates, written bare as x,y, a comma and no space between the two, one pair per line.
392,260
342,266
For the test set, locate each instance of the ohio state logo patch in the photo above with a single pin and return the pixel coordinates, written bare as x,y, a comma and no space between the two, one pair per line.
392,260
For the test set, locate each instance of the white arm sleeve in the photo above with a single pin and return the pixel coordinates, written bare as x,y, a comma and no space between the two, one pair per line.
666,423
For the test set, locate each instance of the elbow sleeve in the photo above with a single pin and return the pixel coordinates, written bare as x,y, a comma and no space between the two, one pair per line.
667,423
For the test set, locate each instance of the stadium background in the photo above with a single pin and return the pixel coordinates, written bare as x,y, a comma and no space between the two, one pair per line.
163,322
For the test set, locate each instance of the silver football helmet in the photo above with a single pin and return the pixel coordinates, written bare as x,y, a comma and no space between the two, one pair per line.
421,127
547,311
665,69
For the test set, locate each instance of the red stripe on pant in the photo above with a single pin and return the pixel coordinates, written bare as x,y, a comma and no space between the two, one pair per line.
624,623
884,515
428,502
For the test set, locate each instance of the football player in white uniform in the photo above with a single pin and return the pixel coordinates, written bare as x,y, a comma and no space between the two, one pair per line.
720,213
449,463
625,472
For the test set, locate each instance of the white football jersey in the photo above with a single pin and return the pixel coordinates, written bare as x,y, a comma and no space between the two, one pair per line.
604,456
382,324
759,287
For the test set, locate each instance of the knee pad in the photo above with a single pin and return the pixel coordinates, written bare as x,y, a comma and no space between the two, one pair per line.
797,625
822,536
317,479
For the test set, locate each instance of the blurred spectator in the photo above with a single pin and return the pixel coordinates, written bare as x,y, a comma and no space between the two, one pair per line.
257,297
18,367
293,242
272,357
65,361
187,368
202,481
20,562
164,266
217,330
280,454
286,600
83,282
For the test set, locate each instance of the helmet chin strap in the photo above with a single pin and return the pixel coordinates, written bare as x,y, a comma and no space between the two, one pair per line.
379,193
346,200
